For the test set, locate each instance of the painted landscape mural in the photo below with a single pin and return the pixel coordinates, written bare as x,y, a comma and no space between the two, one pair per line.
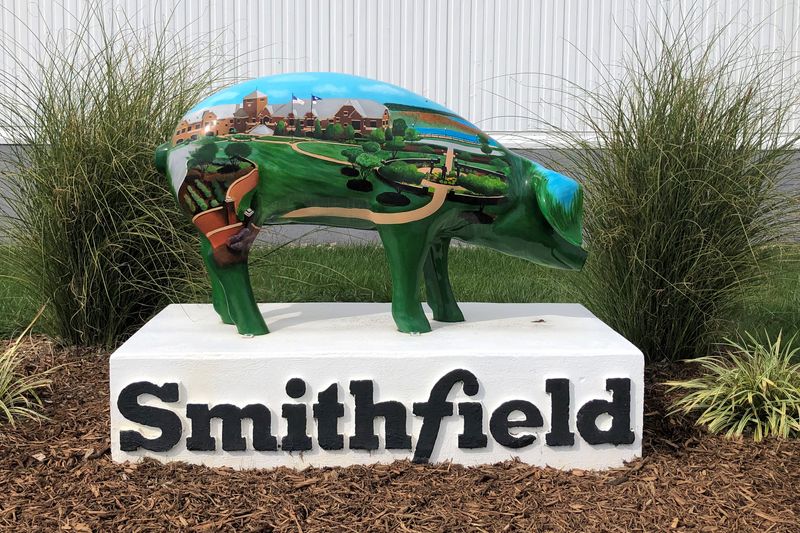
353,134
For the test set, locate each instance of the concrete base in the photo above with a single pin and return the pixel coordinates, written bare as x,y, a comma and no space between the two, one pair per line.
512,350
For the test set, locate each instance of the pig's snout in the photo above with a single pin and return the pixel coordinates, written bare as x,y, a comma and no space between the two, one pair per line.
160,158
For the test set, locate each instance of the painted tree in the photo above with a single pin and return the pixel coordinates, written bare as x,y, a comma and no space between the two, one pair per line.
387,134
484,139
236,151
204,155
349,132
317,129
280,128
378,136
399,127
366,164
329,132
411,135
338,131
352,154
395,145
371,147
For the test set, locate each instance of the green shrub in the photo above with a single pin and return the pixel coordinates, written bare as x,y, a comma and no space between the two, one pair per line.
481,184
19,396
399,171
100,236
681,185
754,391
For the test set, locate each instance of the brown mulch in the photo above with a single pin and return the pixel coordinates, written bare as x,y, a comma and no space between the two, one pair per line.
59,475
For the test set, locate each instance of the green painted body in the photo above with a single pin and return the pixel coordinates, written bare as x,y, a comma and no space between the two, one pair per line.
532,212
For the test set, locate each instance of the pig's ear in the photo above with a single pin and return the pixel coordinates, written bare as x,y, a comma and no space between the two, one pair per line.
561,201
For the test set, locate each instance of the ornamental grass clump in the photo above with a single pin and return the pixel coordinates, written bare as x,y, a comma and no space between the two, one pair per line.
752,390
95,231
689,145
19,392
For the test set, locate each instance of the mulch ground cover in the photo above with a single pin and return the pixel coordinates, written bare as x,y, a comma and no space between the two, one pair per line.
58,475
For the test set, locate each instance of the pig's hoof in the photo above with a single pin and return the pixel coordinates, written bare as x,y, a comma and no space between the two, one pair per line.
414,326
453,315
252,328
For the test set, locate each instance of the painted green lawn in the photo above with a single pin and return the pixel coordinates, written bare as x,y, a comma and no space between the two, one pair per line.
360,273
332,150
282,180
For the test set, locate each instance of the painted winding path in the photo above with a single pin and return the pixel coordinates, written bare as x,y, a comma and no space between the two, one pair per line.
439,195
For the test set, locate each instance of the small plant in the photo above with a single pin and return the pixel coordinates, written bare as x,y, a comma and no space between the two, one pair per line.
683,182
19,396
753,391
93,226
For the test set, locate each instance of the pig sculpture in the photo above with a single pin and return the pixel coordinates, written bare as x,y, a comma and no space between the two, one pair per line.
345,151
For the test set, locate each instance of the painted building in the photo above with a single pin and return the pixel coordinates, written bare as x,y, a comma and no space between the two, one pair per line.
225,119
364,115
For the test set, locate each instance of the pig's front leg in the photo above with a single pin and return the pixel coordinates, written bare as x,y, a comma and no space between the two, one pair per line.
437,284
232,293
406,247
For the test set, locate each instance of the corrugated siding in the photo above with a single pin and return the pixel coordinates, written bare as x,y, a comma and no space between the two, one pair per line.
505,64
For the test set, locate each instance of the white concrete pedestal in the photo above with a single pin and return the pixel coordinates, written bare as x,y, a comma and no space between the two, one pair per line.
512,350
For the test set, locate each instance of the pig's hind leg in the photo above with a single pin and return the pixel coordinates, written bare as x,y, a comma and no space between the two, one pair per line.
437,284
406,247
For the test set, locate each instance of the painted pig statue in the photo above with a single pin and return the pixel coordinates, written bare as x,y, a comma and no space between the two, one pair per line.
339,150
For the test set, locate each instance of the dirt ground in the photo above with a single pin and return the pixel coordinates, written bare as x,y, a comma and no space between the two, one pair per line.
58,475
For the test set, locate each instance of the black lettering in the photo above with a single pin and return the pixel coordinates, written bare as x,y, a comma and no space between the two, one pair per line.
499,424
619,409
296,439
231,416
168,422
366,410
473,436
328,411
559,434
295,387
437,407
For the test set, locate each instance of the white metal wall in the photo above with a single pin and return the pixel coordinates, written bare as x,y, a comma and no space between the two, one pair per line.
499,63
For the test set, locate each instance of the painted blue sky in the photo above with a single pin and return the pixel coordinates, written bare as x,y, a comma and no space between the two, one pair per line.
279,89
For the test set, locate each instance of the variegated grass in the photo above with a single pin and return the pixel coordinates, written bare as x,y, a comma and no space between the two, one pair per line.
19,392
753,389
